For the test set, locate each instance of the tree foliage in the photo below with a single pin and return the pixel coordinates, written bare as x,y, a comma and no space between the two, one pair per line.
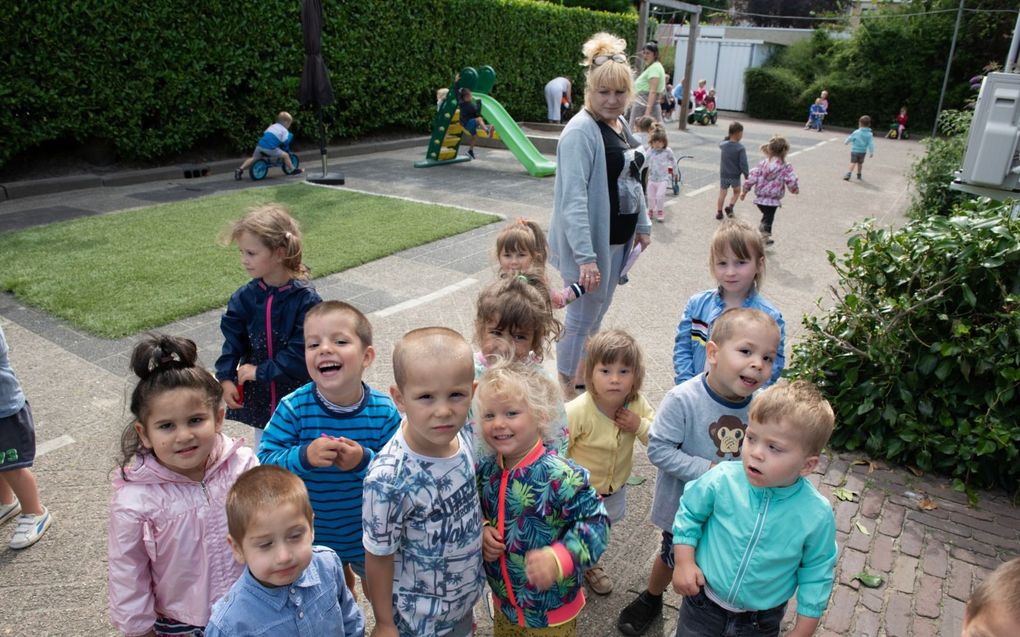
932,173
787,13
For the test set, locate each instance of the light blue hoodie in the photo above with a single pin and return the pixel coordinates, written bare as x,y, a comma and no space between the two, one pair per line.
863,141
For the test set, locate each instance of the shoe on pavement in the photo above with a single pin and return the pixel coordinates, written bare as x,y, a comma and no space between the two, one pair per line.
598,581
638,615
729,211
8,511
718,214
471,154
30,529
846,177
661,216
238,175
858,175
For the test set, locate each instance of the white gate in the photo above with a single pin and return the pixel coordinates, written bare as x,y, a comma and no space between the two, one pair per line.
721,63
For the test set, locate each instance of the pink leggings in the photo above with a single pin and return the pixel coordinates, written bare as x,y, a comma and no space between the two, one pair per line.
656,195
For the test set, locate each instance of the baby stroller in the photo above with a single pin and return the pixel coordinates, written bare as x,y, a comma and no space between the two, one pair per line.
703,116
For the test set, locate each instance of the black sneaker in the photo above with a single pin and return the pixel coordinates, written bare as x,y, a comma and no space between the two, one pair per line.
718,214
297,171
858,175
638,615
471,154
238,174
729,211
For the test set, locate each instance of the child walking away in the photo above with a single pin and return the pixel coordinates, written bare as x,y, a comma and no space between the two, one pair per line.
994,606
736,260
471,117
748,535
263,347
659,161
328,431
770,180
861,141
421,516
168,561
19,493
275,142
732,165
544,523
604,423
701,423
289,587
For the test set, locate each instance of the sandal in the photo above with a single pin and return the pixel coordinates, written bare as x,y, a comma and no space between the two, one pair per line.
598,581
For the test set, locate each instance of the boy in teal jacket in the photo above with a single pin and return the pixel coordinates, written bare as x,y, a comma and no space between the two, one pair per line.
747,535
862,142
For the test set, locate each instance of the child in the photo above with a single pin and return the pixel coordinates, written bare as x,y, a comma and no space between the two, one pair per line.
521,246
289,587
644,129
168,561
18,490
471,118
328,431
263,345
901,123
736,260
710,100
994,607
747,535
701,423
421,517
770,179
863,142
668,103
275,142
660,161
605,421
441,96
732,165
699,93
824,96
815,115
543,522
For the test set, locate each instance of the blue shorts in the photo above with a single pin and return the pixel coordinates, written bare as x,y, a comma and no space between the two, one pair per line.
17,440
471,126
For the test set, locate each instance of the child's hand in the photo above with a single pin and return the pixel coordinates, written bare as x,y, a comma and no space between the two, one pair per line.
742,195
230,394
323,452
627,420
688,579
349,454
542,568
245,373
492,544
385,630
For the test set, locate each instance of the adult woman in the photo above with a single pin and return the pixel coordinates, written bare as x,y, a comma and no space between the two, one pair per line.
649,86
556,89
591,234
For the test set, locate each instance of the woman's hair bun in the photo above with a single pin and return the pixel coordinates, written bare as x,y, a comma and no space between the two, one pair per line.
157,352
603,44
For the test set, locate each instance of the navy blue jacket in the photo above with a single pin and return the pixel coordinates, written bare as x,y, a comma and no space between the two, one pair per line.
264,326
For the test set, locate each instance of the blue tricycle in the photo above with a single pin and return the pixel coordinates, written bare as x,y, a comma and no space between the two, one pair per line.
260,168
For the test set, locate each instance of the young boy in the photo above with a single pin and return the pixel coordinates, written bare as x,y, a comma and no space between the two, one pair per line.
994,607
422,516
471,117
275,142
289,587
863,142
18,490
732,164
700,423
328,431
748,535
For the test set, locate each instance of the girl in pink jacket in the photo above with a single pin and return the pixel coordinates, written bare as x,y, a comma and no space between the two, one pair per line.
770,179
168,554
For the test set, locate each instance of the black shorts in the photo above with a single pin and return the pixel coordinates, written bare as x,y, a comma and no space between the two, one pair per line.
857,158
17,440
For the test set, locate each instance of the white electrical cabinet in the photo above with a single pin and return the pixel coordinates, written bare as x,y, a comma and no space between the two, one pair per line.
992,146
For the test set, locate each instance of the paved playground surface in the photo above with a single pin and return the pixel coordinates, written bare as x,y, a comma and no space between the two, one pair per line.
78,384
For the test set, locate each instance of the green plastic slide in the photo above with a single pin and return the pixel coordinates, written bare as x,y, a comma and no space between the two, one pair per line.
511,134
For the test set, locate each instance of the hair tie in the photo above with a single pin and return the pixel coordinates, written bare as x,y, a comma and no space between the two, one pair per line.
288,235
521,221
522,278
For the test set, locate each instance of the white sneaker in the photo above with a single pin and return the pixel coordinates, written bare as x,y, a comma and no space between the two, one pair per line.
8,511
30,529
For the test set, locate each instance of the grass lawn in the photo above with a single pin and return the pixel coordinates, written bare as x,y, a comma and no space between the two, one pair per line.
117,274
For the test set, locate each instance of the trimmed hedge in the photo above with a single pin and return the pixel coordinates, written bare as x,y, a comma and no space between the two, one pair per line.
155,78
773,93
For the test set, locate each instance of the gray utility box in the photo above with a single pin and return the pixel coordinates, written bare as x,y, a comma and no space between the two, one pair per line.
991,159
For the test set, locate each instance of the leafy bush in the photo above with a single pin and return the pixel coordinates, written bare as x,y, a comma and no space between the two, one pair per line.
772,93
157,77
920,355
932,173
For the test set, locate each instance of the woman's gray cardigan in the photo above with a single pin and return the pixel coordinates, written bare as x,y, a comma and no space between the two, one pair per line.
579,229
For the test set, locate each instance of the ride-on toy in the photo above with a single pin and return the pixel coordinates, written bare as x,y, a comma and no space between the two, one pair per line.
703,116
260,168
678,178
894,132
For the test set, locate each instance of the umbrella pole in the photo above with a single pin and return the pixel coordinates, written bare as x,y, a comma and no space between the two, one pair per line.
322,139
327,178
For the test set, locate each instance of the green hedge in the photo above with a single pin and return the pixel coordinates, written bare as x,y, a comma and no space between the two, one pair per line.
156,78
773,93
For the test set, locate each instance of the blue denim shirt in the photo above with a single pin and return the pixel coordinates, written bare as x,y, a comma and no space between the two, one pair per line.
317,604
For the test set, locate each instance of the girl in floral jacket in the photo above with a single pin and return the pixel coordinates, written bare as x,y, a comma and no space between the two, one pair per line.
770,180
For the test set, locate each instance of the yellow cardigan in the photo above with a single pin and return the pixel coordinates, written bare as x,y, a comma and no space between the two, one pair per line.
598,445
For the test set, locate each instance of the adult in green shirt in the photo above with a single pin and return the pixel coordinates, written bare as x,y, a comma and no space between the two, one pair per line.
649,86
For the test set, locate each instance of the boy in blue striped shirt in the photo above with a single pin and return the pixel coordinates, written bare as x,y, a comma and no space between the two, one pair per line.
327,431
749,534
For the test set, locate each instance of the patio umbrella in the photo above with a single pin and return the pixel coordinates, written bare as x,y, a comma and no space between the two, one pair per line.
315,85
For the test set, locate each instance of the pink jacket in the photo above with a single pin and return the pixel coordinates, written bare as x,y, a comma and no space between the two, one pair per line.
770,179
167,541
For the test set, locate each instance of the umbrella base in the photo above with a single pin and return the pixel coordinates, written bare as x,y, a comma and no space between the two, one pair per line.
329,179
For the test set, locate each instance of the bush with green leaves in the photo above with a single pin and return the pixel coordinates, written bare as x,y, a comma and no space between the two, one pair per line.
932,174
920,355
772,93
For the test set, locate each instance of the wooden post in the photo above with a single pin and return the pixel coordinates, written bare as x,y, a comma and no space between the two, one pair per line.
692,41
642,30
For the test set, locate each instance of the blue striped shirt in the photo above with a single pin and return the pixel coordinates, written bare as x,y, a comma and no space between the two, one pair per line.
300,419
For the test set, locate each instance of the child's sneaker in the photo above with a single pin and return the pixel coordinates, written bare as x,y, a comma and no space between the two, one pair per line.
638,615
471,154
297,171
718,214
660,216
598,581
767,236
729,211
8,511
858,176
846,177
238,175
30,529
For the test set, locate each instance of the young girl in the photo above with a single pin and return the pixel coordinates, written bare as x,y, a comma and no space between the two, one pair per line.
263,356
770,179
169,560
543,522
659,160
521,246
737,262
699,93
604,422
643,128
